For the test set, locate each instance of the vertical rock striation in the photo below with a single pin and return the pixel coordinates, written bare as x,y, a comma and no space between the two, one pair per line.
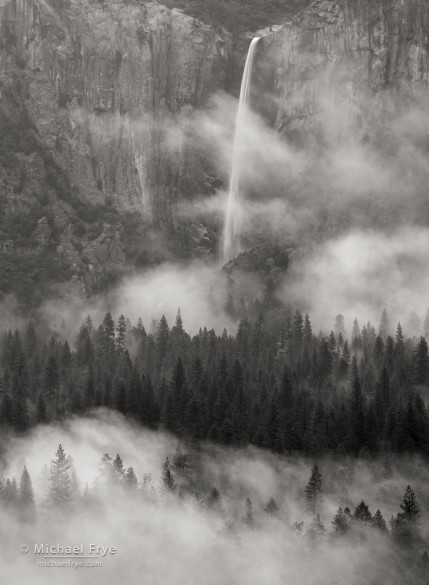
96,99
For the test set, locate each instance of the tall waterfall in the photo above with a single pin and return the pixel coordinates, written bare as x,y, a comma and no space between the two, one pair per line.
233,212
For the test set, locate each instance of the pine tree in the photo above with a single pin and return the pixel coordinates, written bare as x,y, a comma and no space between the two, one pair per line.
106,473
307,333
131,479
118,470
384,325
362,513
121,334
168,482
162,341
178,324
379,522
340,523
108,328
314,489
271,508
356,337
26,495
60,480
399,345
11,493
409,519
421,362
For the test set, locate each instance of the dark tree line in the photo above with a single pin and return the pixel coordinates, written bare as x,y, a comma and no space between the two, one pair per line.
275,384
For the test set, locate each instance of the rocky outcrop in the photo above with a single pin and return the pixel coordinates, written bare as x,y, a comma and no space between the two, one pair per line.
96,101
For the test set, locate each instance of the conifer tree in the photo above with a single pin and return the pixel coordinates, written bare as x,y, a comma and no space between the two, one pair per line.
168,482
271,508
408,527
121,334
60,480
118,475
130,479
379,522
362,513
384,325
11,493
421,362
314,489
26,494
162,341
340,523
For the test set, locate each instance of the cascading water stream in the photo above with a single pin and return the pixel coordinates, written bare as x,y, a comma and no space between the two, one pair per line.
233,212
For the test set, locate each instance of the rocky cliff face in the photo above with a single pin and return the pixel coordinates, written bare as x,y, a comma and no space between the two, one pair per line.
346,84
95,99
346,49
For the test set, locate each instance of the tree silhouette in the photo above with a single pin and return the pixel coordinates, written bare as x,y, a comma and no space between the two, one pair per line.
314,490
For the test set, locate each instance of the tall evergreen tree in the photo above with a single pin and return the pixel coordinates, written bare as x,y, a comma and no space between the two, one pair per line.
314,489
408,521
421,362
168,482
60,479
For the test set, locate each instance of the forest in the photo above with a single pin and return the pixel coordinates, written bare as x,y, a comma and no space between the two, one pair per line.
274,384
64,495
342,417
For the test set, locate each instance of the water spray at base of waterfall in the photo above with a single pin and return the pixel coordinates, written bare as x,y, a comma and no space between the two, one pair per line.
233,211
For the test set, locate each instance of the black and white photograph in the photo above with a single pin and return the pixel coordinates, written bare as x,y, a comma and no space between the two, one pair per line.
214,292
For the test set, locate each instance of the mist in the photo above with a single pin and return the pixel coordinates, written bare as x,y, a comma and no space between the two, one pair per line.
197,289
360,274
349,197
173,539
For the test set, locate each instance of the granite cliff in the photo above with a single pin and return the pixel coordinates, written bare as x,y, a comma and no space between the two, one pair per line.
95,98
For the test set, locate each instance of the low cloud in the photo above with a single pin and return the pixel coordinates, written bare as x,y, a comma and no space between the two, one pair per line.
361,273
179,541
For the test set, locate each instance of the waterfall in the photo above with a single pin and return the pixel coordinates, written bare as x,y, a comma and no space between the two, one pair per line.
233,212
